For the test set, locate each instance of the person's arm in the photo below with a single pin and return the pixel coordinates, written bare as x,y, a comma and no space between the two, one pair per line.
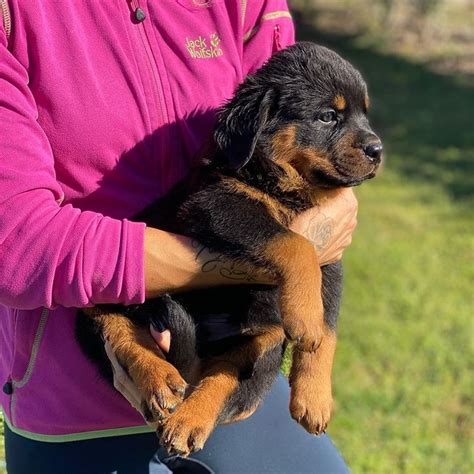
329,226
51,254
175,262
185,264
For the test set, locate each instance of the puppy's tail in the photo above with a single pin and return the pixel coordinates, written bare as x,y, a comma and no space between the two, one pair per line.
183,349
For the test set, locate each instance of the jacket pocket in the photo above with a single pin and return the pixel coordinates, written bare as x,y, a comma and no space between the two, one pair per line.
28,336
29,330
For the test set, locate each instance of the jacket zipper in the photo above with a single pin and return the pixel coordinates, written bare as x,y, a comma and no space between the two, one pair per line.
160,114
7,19
156,79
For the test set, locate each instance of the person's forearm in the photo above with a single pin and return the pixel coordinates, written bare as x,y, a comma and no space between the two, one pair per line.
175,262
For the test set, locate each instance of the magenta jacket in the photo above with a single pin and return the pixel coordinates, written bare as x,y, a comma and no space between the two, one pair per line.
103,105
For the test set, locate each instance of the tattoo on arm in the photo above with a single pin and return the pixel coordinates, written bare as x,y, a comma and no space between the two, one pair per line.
212,262
319,230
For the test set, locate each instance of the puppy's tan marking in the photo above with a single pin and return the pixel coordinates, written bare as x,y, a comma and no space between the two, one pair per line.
353,162
188,428
366,103
310,380
275,208
298,163
241,416
263,340
306,160
283,144
288,155
301,305
339,102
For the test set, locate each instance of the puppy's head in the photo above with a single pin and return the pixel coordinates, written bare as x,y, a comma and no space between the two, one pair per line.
307,108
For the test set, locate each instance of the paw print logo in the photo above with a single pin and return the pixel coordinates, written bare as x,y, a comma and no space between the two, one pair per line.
214,39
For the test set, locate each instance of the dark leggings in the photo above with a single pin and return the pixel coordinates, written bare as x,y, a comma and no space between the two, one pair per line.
267,442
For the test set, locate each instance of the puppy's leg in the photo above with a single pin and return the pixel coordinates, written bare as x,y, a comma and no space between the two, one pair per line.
301,303
310,378
188,428
160,384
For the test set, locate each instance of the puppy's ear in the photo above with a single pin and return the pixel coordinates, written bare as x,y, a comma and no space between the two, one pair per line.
240,123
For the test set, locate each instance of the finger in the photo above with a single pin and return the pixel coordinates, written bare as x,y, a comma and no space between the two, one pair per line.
130,392
122,382
163,339
116,367
119,372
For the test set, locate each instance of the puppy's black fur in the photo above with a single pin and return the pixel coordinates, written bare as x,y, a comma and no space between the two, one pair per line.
297,125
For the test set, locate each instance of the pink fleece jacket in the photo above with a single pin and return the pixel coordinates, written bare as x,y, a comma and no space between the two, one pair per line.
102,108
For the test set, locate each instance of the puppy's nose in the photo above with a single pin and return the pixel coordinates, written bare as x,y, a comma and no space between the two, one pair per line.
373,151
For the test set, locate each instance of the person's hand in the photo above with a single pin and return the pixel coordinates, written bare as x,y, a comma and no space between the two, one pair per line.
330,225
122,382
162,339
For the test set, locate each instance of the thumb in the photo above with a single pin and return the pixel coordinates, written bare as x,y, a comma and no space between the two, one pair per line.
163,339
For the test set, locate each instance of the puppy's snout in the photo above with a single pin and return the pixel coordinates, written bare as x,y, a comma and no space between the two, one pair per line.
373,151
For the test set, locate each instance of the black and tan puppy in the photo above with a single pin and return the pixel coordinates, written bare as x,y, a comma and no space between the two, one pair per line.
296,126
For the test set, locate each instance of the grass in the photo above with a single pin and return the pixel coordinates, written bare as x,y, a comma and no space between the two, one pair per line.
401,379
402,383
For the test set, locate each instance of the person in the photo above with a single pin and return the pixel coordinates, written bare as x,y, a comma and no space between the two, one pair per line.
103,106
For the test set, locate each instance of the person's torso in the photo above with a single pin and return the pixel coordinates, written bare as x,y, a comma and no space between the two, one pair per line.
126,103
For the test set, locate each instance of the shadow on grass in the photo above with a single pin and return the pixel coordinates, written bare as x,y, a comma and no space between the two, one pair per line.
425,119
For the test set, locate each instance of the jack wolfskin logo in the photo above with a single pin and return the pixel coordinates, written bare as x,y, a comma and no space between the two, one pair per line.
215,40
204,48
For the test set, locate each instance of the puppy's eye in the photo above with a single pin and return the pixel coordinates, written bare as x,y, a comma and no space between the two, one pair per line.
327,117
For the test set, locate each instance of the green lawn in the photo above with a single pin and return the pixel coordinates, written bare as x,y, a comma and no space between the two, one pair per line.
402,387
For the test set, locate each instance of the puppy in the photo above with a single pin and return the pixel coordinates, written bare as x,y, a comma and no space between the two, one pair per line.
295,127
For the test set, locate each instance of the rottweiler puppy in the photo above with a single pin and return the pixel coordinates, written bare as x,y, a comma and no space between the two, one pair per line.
294,128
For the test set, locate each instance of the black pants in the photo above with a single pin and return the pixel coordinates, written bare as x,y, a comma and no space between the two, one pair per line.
267,442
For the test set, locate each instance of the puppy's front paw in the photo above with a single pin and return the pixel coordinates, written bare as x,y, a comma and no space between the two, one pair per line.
307,336
303,320
311,403
160,385
186,430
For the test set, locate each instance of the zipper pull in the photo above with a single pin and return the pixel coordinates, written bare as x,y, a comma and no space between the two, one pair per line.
139,15
8,387
276,38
